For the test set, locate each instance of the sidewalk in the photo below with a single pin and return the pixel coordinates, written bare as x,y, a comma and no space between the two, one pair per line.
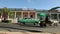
2,32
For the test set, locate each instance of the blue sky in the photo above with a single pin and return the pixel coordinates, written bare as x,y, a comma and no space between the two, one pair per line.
38,4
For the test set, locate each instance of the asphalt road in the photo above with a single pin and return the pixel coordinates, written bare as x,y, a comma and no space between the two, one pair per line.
30,28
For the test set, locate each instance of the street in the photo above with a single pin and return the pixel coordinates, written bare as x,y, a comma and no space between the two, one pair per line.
30,28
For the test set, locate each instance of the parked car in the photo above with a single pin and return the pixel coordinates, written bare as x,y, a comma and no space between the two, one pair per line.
28,20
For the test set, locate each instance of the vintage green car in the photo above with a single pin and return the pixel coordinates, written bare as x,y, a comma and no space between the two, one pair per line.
40,20
28,20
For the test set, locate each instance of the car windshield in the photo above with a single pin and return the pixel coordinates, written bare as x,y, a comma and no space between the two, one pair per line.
27,18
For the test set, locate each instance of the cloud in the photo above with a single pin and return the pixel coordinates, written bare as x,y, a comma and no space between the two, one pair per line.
24,8
30,1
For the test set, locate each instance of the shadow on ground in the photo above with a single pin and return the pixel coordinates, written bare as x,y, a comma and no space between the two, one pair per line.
20,29
30,25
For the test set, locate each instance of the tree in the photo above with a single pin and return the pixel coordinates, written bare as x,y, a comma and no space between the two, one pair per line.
5,11
54,8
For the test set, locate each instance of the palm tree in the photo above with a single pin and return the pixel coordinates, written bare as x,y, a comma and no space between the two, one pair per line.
5,11
0,12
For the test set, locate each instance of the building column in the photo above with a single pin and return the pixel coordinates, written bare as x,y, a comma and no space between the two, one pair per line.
1,16
8,15
58,16
28,14
22,14
35,15
15,14
49,15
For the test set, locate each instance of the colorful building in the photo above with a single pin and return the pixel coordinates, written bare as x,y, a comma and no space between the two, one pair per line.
31,13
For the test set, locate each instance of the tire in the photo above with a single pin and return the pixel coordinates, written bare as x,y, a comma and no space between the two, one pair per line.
44,25
23,23
41,24
34,24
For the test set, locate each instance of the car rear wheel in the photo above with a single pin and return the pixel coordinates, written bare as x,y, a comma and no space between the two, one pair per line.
34,24
23,23
42,24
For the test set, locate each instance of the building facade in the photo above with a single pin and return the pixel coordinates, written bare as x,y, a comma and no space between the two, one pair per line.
32,14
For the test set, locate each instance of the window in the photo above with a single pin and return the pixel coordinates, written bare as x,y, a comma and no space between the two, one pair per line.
31,16
18,14
54,16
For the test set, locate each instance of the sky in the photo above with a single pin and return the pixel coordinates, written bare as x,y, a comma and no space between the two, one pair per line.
37,4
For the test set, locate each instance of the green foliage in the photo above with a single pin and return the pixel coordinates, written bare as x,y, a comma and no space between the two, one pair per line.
54,8
6,10
11,13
